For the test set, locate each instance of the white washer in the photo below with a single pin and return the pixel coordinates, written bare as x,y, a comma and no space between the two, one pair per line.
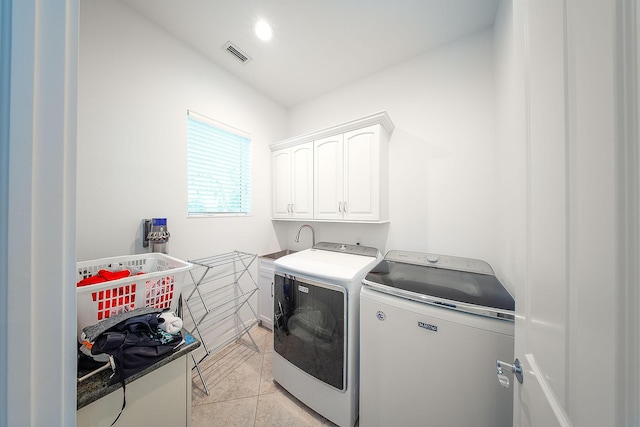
316,326
432,329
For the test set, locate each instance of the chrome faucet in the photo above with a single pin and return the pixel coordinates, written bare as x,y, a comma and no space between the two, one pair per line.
313,233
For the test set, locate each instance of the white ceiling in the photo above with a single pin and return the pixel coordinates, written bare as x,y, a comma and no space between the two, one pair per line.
318,45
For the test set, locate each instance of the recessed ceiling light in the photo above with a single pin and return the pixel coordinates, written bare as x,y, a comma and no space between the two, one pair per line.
263,30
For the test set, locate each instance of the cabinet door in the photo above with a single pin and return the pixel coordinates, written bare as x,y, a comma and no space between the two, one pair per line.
302,181
147,402
328,178
281,182
362,174
265,293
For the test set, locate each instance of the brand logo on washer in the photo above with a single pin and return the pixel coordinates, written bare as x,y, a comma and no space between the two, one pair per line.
303,289
428,326
381,316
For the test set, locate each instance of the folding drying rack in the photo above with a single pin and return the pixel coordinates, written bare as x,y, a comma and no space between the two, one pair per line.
217,295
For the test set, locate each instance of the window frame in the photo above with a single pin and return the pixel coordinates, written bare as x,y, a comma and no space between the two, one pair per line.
245,155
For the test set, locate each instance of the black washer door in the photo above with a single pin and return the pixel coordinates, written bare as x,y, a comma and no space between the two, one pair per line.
309,327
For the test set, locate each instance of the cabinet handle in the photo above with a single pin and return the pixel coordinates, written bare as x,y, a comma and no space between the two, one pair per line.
271,289
340,207
289,208
344,207
293,208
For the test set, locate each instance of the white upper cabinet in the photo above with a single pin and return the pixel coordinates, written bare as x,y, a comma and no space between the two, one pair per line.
293,182
350,176
347,179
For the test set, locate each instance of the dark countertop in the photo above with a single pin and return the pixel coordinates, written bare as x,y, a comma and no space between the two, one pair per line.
279,254
97,386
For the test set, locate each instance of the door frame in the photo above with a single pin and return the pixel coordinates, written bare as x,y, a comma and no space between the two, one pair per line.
628,93
38,108
607,385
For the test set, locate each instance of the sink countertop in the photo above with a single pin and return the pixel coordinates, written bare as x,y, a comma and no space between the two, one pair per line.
280,254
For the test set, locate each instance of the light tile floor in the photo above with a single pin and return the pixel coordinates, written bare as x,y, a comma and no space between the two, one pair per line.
242,391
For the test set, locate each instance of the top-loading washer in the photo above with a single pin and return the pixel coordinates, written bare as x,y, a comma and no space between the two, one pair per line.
432,330
316,326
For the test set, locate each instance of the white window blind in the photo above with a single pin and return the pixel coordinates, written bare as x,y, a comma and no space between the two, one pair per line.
219,168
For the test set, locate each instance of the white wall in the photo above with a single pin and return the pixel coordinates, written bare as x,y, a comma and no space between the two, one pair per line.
443,193
136,83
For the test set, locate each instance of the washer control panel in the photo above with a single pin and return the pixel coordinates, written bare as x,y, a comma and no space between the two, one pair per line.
440,261
347,249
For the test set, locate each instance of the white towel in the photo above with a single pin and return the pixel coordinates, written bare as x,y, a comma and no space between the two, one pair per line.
170,323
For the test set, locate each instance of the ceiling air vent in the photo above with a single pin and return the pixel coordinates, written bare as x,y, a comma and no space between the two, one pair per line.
236,52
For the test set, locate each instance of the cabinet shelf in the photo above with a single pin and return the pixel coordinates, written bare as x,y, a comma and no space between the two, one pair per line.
216,296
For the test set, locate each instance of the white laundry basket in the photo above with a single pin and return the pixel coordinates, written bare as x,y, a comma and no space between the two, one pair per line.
159,286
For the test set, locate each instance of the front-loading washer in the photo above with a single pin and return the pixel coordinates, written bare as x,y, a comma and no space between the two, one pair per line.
316,326
432,328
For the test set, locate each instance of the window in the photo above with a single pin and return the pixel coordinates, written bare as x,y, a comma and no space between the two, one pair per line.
219,168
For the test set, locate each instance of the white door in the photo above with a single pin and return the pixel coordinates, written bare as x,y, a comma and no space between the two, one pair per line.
328,178
292,180
574,337
362,174
265,292
281,182
302,181
542,300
